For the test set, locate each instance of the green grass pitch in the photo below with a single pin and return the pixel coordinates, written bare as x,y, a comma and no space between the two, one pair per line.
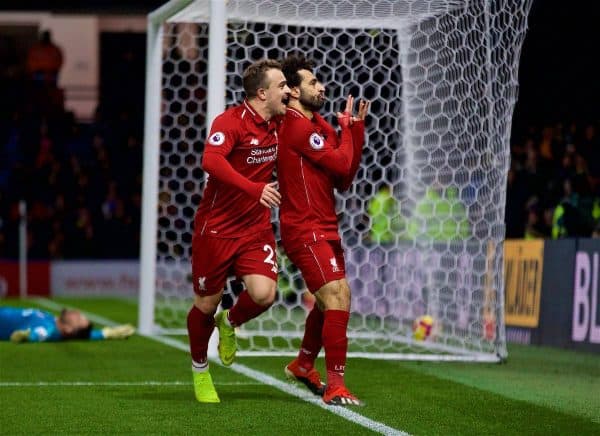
140,386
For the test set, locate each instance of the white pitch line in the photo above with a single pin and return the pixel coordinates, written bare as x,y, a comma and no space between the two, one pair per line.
92,383
263,378
91,316
351,416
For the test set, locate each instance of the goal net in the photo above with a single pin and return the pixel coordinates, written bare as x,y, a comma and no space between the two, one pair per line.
423,223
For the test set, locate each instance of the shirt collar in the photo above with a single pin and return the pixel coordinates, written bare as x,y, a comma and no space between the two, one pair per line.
300,114
255,115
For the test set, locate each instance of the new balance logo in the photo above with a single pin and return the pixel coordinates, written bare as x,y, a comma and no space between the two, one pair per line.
254,141
334,265
202,283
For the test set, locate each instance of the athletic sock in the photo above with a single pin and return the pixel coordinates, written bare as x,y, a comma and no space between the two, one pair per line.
311,342
244,310
199,366
200,326
335,342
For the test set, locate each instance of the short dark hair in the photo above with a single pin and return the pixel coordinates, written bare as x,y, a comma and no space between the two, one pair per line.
255,76
291,65
82,333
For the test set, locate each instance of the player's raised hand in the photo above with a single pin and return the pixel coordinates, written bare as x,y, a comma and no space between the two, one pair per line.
363,110
270,196
349,105
345,118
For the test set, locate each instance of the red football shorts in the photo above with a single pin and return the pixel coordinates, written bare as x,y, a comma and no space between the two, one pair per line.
320,262
215,259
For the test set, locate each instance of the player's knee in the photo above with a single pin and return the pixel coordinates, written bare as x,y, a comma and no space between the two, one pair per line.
206,305
264,296
261,290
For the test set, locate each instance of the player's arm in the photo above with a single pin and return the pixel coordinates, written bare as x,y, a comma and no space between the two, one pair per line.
324,152
321,151
116,332
219,144
357,131
35,334
358,140
343,182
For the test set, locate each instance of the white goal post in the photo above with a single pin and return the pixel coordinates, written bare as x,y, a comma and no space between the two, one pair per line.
423,223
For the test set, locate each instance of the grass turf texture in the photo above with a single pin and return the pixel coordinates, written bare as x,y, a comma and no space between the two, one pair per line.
538,391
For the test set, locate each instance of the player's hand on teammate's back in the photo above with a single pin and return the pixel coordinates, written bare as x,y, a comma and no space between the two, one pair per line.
345,118
270,196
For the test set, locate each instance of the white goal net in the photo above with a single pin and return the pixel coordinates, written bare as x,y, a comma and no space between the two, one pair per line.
423,223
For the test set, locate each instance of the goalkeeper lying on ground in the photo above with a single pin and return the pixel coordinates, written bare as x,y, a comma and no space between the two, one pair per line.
33,325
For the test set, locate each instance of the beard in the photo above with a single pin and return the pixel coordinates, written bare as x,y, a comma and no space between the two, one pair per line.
312,103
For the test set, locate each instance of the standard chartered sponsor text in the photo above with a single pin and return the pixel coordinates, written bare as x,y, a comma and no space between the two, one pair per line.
264,155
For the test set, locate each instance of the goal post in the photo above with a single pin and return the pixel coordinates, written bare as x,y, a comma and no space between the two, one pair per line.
423,224
152,131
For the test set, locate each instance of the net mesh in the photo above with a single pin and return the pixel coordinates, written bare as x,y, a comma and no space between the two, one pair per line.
423,224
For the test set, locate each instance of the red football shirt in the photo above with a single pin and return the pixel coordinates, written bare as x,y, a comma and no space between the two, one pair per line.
312,161
239,156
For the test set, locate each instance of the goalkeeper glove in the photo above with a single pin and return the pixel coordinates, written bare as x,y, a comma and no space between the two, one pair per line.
118,332
19,336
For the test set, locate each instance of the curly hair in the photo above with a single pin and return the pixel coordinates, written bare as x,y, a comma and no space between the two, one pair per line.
291,65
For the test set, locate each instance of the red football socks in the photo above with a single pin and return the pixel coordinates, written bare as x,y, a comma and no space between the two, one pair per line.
311,343
244,309
200,326
335,342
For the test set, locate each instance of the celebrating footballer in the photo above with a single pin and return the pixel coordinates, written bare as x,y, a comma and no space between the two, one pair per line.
312,162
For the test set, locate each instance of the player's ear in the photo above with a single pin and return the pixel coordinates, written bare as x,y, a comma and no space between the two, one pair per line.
295,91
261,94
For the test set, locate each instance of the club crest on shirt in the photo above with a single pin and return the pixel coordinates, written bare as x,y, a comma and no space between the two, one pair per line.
216,138
316,141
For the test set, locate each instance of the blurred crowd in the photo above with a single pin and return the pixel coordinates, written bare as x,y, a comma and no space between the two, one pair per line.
81,182
554,182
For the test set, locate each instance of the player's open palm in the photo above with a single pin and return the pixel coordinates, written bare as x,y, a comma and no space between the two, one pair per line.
270,196
345,118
